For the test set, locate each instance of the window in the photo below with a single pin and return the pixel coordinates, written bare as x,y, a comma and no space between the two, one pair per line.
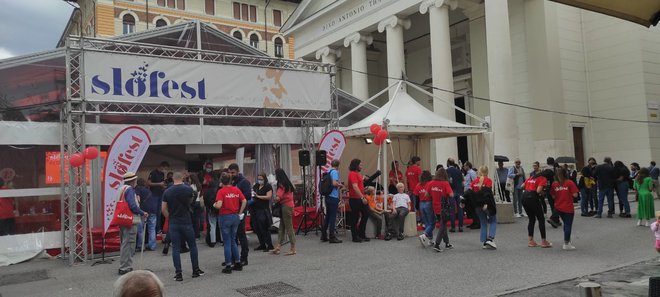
245,12
179,4
209,6
277,18
279,48
161,23
128,24
254,40
238,35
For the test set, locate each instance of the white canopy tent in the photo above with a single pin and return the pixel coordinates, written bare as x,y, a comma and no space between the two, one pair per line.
404,116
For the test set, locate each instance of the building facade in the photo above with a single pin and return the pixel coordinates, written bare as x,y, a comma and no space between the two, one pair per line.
255,22
551,80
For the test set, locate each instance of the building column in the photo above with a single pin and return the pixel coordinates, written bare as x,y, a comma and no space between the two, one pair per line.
358,43
395,54
442,70
328,55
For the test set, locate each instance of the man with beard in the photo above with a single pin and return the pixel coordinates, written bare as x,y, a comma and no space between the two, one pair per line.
246,188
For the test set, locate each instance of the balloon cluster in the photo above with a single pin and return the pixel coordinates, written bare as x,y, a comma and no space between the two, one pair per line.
77,159
379,134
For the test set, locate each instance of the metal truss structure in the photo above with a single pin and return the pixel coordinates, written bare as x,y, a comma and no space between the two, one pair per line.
74,200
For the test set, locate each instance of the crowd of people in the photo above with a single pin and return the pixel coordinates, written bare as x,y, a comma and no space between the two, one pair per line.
182,205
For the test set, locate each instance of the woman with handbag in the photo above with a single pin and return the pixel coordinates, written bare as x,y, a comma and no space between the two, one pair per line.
261,218
485,208
284,197
198,210
130,214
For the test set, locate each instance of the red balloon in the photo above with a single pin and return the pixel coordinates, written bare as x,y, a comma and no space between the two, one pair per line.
382,134
374,129
378,140
76,160
91,153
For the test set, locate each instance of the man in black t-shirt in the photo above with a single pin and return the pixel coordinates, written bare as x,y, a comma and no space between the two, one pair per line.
156,183
605,175
177,207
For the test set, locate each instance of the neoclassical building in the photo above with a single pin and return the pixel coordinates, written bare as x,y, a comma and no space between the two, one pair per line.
550,79
254,22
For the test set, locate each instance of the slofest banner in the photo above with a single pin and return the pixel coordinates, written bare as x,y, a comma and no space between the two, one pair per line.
124,155
140,79
333,143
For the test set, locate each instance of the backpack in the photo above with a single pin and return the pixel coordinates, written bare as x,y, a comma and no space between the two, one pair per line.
325,185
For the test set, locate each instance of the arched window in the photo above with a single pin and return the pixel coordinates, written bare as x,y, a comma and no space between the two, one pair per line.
128,23
279,48
237,34
161,23
254,40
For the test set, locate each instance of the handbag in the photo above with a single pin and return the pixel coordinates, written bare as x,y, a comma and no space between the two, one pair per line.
509,184
123,215
277,209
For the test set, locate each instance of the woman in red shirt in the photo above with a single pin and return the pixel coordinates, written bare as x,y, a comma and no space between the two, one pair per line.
230,203
533,204
439,191
487,218
359,210
284,196
564,190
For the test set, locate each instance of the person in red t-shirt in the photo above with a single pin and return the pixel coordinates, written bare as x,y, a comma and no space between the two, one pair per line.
425,206
7,221
284,196
359,210
439,190
532,203
413,173
230,202
394,179
487,220
564,190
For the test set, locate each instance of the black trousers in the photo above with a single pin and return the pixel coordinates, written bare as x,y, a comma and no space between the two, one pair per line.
7,226
359,212
242,240
532,204
261,221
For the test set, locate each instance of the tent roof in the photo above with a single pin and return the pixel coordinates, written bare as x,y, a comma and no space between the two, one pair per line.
408,117
643,12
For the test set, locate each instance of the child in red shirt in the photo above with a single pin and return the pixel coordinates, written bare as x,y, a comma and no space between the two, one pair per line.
439,190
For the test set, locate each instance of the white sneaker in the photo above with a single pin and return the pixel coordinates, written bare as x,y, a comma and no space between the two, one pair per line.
424,240
639,222
431,243
646,224
518,215
524,214
491,244
568,247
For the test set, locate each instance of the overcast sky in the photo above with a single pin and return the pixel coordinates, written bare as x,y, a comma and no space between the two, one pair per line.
28,26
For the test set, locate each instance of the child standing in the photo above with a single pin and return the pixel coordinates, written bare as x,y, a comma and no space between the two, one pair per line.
440,192
655,226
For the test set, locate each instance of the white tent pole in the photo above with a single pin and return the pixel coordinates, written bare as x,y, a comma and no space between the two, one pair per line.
443,100
386,173
367,101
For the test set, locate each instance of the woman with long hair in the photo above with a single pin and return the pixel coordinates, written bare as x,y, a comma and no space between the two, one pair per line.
645,207
261,217
198,210
533,205
439,191
485,207
564,190
284,196
357,202
425,207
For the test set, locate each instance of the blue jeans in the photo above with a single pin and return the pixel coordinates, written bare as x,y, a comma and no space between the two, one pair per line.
151,232
517,201
567,218
610,200
455,204
623,196
330,222
213,220
584,200
488,225
177,233
428,217
229,226
139,236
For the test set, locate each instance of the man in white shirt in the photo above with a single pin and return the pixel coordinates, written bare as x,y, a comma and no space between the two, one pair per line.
399,211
